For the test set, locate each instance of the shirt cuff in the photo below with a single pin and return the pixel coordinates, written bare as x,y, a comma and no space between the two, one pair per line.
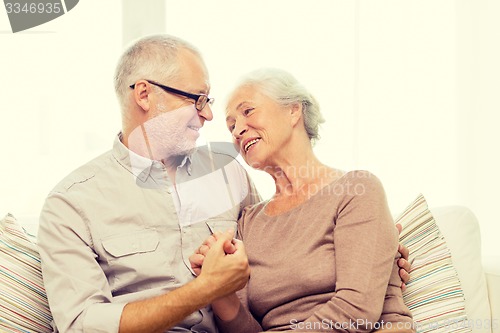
103,317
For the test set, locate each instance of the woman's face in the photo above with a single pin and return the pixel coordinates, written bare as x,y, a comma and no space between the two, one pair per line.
259,125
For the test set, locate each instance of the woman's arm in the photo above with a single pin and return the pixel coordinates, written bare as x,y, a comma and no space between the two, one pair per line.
366,243
230,314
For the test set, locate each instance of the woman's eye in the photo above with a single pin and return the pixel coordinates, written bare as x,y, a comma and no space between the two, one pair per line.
247,111
230,128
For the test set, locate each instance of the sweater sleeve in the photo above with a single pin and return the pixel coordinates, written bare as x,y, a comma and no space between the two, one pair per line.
365,242
244,321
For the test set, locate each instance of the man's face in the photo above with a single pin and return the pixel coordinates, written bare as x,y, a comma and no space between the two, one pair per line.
174,123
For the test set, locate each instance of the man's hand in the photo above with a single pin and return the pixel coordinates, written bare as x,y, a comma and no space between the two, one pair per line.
196,259
220,275
403,263
222,263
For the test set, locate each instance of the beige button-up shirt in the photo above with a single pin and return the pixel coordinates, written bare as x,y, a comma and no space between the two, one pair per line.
116,230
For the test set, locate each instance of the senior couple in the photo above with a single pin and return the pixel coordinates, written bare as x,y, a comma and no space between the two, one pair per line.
158,235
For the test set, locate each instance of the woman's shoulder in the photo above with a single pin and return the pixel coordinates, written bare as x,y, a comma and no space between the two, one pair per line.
251,210
359,184
248,214
361,177
254,209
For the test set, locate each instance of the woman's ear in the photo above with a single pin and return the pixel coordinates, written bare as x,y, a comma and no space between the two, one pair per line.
295,113
141,93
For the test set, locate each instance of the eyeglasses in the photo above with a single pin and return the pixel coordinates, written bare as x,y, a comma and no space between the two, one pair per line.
199,100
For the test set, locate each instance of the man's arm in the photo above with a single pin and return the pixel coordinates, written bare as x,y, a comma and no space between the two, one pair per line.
230,314
79,295
161,313
81,298
221,275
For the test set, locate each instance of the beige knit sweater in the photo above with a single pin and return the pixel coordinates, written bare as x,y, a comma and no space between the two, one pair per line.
326,265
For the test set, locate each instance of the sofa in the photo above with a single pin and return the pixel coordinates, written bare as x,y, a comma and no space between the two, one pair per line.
453,288
479,275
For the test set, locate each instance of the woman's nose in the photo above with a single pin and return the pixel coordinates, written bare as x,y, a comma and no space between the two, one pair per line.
239,130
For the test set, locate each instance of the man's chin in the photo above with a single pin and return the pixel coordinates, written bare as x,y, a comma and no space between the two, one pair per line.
188,149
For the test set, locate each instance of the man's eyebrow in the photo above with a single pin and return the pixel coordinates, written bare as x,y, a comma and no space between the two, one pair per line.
205,91
197,90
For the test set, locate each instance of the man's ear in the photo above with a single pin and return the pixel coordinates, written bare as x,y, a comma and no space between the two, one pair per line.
295,113
141,95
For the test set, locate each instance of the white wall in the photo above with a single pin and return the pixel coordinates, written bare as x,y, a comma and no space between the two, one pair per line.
409,89
57,106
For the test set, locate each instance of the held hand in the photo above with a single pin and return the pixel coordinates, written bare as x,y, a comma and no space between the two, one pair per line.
196,259
225,273
403,263
229,246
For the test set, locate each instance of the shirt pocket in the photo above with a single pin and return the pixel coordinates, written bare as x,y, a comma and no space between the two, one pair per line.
129,244
136,260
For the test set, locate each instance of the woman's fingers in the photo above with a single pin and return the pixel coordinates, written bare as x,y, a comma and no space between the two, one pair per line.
196,261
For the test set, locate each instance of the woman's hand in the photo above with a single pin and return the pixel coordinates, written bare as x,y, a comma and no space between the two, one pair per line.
226,307
197,258
221,273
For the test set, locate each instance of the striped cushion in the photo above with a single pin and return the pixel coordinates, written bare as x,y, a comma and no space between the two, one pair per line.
434,293
23,302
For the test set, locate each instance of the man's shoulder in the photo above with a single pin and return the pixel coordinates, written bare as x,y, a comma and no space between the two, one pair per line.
85,173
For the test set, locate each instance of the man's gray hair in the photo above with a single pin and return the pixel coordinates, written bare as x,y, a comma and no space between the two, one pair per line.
284,88
149,58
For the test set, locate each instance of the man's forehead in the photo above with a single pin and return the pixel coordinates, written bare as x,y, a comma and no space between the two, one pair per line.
193,73
189,81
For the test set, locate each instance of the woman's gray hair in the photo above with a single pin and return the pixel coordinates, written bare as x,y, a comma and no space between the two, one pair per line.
149,58
284,88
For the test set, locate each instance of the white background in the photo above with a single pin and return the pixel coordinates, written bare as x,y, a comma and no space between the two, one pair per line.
410,90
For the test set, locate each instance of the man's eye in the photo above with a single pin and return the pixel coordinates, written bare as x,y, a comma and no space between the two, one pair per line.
230,128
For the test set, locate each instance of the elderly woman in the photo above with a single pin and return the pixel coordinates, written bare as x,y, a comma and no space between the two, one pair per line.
323,249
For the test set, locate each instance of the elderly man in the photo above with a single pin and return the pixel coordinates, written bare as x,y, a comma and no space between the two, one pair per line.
116,234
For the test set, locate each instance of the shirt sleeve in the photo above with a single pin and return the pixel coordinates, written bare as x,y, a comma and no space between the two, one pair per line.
365,241
77,289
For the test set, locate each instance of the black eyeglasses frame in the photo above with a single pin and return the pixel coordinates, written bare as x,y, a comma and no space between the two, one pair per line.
201,100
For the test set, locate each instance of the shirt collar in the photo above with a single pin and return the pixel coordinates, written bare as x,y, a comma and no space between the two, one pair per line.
141,167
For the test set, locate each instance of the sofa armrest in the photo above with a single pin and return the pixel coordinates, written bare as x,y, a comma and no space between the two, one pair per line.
491,266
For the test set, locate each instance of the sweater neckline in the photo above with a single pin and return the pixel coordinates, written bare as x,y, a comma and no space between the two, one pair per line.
300,205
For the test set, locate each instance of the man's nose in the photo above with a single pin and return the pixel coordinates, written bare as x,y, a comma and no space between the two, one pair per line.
206,113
